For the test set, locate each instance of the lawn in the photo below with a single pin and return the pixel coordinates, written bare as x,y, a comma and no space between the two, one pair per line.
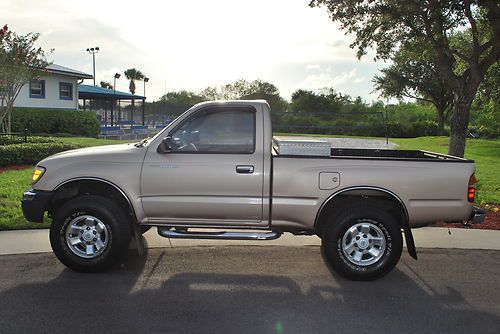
486,153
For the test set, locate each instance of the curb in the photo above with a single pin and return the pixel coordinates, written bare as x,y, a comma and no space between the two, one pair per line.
37,241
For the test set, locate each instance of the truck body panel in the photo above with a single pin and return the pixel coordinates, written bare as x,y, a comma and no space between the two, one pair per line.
205,190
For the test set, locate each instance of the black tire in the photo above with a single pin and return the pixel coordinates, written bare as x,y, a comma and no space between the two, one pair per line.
117,226
380,222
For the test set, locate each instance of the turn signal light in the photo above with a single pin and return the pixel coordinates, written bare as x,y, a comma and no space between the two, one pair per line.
37,174
471,190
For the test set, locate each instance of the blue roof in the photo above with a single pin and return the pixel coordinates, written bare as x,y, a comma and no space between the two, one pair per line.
94,92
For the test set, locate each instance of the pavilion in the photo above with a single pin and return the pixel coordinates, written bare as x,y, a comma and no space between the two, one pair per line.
110,98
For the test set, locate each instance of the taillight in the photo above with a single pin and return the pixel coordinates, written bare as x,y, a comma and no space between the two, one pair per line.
471,190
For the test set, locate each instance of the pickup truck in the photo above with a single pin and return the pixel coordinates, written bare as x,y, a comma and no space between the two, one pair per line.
216,173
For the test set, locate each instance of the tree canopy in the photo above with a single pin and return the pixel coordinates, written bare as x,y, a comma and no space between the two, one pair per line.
20,62
413,75
387,25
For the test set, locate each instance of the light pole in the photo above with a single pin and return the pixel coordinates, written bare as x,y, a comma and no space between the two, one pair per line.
93,51
117,76
146,79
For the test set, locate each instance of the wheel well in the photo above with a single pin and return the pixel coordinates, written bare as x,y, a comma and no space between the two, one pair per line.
356,197
77,188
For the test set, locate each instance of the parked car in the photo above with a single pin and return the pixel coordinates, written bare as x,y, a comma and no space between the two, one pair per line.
216,167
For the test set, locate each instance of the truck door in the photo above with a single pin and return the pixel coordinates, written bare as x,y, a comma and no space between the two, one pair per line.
213,172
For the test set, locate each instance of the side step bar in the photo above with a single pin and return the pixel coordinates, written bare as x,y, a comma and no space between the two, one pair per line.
181,234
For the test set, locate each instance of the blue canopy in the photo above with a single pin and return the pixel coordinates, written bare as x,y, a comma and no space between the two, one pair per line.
90,92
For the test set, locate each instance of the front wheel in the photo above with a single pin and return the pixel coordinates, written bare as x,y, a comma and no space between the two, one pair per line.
90,233
362,243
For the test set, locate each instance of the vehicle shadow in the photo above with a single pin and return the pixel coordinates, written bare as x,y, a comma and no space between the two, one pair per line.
159,293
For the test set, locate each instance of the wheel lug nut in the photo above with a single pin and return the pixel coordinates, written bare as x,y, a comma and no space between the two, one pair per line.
88,228
357,238
364,235
94,239
355,245
95,232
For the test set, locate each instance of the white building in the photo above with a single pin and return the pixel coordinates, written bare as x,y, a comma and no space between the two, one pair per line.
55,89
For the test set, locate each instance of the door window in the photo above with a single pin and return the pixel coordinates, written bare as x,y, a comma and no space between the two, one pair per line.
230,130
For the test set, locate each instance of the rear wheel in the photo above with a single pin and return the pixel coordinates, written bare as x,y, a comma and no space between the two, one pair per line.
362,243
90,233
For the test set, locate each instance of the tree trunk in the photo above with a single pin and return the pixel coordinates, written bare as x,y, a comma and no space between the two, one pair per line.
458,124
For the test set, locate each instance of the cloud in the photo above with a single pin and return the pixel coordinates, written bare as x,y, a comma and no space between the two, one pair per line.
313,66
336,44
328,79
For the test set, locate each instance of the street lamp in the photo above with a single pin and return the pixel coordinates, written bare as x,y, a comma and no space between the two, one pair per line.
93,51
117,76
146,79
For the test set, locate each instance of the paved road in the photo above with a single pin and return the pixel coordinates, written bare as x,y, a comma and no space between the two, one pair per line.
251,290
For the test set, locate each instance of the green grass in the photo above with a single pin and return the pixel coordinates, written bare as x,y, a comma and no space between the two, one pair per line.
91,141
12,185
486,153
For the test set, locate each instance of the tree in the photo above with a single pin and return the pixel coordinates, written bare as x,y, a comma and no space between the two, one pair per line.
106,85
243,90
20,62
133,75
413,75
388,24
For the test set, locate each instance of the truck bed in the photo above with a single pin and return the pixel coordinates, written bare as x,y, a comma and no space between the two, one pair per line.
381,154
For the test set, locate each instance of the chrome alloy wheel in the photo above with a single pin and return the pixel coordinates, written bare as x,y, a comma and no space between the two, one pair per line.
364,244
87,236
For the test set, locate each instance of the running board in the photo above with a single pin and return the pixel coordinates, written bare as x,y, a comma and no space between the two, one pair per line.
168,233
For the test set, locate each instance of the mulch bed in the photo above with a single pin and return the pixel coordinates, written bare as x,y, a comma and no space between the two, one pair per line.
492,221
14,167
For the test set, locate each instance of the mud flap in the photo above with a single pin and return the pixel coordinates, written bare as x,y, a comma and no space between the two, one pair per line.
410,243
139,240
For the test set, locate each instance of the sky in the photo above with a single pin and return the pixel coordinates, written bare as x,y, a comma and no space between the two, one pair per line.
192,44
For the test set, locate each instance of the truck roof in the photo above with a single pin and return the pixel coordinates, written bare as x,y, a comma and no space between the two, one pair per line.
232,102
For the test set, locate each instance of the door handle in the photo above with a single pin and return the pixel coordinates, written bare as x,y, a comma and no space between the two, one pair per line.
244,169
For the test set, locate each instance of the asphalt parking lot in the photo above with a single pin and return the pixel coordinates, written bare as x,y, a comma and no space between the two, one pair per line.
254,289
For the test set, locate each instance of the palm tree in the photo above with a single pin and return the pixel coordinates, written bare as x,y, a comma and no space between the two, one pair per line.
133,74
106,85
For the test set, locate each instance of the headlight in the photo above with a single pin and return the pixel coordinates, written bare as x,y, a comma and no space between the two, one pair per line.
37,174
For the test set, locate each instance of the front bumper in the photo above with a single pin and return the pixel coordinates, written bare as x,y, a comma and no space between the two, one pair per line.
35,203
477,216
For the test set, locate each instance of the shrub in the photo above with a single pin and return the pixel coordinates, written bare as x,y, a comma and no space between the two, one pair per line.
38,120
9,140
31,153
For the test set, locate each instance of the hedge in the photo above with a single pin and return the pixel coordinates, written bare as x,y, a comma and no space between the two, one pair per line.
9,140
40,120
31,153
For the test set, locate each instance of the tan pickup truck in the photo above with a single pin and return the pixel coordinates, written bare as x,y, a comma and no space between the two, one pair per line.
216,173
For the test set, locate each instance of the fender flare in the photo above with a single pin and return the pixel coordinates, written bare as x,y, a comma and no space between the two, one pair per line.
405,225
104,181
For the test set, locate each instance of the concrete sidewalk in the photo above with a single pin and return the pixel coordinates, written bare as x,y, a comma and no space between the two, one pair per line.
37,241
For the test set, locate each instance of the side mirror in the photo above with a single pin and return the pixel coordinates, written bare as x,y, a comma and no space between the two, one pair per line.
165,145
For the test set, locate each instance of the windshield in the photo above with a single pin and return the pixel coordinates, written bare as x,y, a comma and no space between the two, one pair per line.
148,140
